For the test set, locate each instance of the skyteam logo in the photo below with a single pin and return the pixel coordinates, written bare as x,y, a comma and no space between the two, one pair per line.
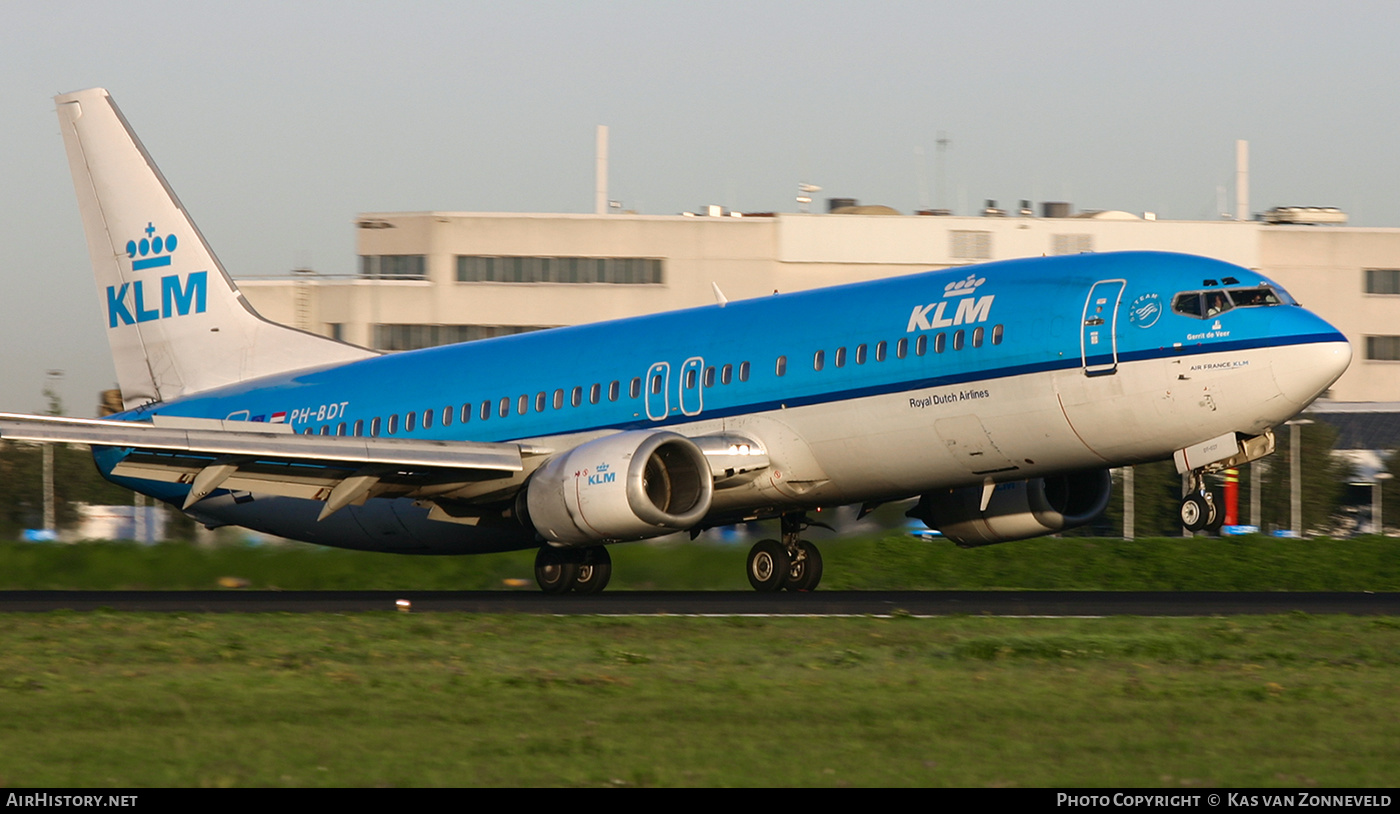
970,307
1145,310
179,295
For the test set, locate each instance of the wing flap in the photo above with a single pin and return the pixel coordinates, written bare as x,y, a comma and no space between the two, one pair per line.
256,444
340,470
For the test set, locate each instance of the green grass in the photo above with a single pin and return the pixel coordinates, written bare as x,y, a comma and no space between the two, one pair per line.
106,699
877,562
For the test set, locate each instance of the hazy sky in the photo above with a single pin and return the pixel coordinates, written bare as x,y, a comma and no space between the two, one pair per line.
277,122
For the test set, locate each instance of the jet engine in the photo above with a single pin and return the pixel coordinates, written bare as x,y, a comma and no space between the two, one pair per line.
628,486
1017,510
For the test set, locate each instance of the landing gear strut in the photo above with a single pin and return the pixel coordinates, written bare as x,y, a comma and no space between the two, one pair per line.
581,570
793,564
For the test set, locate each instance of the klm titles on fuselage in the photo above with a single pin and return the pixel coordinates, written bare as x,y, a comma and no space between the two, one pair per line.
970,307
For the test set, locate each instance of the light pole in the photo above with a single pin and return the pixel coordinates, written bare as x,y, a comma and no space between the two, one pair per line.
54,406
1295,473
1377,519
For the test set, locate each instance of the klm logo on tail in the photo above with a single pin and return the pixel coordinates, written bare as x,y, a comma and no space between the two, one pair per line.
177,296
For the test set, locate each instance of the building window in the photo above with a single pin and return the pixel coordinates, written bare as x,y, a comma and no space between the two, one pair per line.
394,266
1071,244
1383,281
413,337
569,270
1383,348
969,245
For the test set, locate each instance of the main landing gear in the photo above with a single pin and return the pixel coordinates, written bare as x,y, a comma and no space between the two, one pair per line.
581,570
793,564
1198,510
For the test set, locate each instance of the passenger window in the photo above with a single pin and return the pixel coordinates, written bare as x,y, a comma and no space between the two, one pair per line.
819,360
447,416
576,397
958,339
615,390
656,384
325,429
466,412
726,374
710,376
374,427
559,398
690,379
308,431
860,354
522,404
880,349
996,334
596,392
743,371
409,422
504,408
921,344
485,410
540,398
340,429
781,367
977,336
901,348
840,357
427,419
393,423
940,343
636,388
359,427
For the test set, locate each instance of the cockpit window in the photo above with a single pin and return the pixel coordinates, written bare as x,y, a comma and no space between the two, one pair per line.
1212,303
1187,304
1216,303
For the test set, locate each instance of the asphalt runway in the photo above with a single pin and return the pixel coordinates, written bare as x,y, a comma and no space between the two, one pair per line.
717,603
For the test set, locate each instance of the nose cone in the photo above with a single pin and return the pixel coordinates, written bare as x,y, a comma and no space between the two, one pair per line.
1303,372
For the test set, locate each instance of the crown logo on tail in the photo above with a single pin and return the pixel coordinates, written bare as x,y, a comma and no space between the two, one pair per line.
153,249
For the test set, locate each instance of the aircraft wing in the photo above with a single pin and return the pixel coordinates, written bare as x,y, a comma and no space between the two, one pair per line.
209,454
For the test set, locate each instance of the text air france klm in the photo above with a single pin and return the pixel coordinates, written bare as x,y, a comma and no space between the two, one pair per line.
970,307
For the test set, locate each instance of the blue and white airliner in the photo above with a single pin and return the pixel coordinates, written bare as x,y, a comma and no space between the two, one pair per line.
997,396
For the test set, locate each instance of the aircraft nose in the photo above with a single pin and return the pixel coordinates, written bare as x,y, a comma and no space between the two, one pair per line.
1303,372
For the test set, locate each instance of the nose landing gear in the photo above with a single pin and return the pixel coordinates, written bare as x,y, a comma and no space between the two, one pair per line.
1198,509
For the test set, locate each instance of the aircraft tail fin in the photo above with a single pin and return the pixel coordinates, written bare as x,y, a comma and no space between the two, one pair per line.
176,321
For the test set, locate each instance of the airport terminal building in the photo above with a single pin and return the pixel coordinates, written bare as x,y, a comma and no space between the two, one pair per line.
428,278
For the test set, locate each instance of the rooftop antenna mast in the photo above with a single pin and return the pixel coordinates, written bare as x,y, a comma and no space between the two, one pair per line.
941,167
922,173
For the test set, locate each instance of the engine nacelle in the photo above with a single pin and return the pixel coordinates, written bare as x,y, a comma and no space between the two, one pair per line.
628,486
1017,510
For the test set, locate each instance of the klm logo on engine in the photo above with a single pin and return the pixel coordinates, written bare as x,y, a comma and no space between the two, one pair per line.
177,299
969,309
134,302
601,475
